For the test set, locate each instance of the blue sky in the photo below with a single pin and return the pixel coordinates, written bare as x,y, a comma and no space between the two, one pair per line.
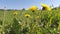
19,4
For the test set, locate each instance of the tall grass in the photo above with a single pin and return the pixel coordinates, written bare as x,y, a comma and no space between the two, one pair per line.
48,22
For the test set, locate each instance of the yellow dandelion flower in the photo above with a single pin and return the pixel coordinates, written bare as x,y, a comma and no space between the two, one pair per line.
46,7
27,15
15,13
38,17
33,8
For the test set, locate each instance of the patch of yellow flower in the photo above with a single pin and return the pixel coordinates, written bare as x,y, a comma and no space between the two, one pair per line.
33,8
46,7
27,15
15,13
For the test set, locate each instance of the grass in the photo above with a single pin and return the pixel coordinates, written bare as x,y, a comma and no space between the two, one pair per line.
48,22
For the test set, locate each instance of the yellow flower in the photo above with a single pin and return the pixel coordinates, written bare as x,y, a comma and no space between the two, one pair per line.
38,17
15,13
33,8
46,7
27,15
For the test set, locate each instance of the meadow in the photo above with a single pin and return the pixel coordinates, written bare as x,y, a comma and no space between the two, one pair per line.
28,22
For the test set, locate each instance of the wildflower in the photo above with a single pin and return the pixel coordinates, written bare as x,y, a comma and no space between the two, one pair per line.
15,13
19,22
27,15
45,7
38,17
33,8
54,29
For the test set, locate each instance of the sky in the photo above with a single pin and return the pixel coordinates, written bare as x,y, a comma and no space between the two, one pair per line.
19,4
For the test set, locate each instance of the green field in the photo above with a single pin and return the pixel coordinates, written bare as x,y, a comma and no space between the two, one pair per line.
39,22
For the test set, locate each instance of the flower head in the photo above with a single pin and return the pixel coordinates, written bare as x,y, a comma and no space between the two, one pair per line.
38,17
33,8
15,13
46,7
27,15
